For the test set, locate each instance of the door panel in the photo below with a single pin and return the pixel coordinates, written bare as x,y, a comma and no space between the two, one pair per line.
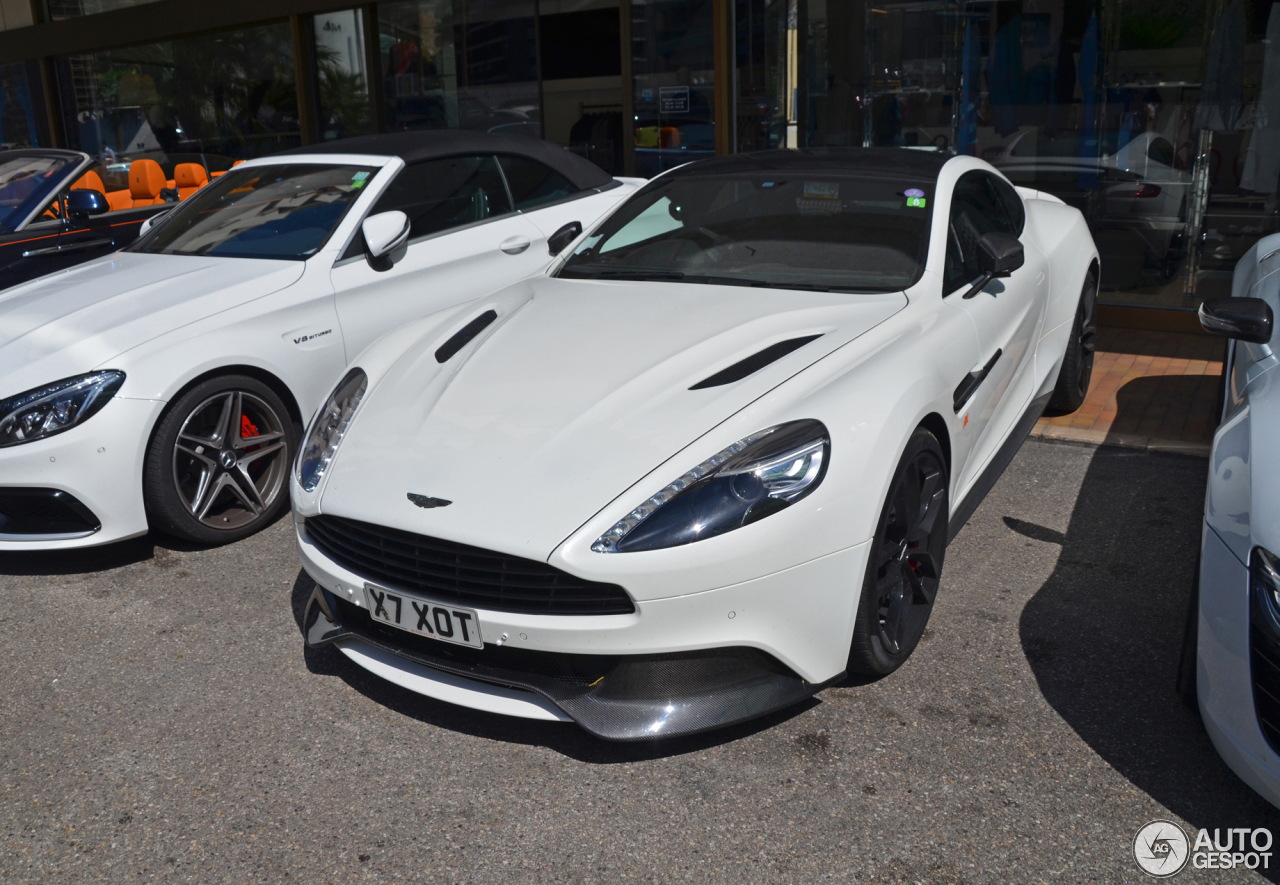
27,254
435,273
1006,313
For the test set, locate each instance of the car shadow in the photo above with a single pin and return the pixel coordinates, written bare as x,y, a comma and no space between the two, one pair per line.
1103,634
86,560
560,737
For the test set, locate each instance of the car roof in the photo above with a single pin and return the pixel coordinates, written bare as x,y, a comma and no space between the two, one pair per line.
430,144
919,165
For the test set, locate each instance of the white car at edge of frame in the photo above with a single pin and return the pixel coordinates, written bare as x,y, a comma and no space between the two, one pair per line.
165,386
708,462
1231,651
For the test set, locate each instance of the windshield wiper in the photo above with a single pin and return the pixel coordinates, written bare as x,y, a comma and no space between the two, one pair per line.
623,273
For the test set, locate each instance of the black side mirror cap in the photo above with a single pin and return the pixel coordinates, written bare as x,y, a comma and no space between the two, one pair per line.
563,237
1244,319
999,254
83,202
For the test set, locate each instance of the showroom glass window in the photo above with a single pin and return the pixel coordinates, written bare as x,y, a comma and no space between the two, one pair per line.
210,100
341,81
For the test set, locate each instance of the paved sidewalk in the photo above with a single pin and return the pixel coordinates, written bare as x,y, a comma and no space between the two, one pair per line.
1150,390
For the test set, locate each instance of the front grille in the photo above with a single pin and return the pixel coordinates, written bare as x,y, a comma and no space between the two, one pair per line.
461,574
1264,661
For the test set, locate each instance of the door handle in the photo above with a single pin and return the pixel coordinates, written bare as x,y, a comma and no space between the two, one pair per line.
515,245
970,383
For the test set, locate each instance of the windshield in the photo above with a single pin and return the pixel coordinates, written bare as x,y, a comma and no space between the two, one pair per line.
261,212
25,183
798,231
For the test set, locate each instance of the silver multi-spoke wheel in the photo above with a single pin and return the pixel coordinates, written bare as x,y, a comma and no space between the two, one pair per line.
230,460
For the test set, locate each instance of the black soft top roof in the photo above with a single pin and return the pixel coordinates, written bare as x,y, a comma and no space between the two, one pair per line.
430,144
897,162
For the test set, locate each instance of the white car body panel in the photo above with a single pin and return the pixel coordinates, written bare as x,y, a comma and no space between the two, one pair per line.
574,406
1242,511
167,320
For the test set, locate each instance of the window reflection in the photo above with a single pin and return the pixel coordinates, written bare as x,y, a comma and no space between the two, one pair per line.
207,100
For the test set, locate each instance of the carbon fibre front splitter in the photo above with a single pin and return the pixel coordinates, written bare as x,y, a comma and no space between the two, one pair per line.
614,697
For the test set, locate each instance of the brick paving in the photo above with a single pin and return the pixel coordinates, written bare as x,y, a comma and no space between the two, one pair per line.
1150,390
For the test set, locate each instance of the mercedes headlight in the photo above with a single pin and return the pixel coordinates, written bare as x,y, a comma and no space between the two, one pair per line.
762,474
55,407
328,427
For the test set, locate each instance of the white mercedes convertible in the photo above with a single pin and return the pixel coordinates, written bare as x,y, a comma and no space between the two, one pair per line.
708,462
167,385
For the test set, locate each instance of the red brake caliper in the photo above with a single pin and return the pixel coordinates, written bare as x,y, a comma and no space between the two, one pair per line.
247,428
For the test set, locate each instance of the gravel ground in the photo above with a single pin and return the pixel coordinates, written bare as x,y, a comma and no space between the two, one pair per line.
162,721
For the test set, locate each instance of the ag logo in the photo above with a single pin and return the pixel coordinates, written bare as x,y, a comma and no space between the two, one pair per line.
1161,849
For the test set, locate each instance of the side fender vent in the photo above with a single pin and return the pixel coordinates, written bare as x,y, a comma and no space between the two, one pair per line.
753,363
463,336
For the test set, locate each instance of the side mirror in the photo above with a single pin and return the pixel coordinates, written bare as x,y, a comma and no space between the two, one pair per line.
83,202
563,237
386,236
151,222
1244,319
998,256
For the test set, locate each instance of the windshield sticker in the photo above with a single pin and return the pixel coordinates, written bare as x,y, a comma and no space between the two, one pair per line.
358,179
820,198
915,197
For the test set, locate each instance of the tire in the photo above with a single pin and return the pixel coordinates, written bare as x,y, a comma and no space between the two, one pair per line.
217,466
905,564
1077,364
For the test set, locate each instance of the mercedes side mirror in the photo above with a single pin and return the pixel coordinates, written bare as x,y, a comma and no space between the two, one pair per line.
83,202
563,237
998,256
386,236
1244,319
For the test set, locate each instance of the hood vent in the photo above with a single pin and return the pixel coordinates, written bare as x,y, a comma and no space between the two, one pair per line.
463,336
753,363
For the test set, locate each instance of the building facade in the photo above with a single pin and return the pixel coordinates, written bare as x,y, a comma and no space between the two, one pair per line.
1159,119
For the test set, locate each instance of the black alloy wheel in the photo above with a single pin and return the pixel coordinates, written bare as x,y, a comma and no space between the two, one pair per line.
905,563
217,468
1077,363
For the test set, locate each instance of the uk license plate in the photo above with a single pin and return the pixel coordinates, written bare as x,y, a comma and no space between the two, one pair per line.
422,616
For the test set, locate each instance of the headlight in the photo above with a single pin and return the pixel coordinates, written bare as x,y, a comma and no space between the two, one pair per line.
751,479
328,427
55,407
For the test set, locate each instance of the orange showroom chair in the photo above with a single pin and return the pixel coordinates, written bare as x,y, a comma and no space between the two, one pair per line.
146,180
190,177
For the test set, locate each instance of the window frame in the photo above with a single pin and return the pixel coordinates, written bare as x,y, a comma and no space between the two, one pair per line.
1004,191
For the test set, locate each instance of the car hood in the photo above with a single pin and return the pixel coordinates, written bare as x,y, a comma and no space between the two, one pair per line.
576,392
72,322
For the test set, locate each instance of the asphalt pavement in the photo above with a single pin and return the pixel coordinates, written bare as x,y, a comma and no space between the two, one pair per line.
162,721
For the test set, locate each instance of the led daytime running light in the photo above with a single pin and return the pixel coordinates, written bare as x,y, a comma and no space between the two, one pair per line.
608,542
328,429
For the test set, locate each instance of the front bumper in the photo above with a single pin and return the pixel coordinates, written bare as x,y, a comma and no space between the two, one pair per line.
1224,678
99,463
675,666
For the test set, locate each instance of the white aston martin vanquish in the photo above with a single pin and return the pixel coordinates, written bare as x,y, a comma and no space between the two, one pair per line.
711,460
167,384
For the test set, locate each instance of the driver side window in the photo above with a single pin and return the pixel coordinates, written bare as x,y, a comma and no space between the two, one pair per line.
440,194
978,207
